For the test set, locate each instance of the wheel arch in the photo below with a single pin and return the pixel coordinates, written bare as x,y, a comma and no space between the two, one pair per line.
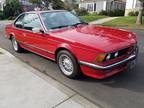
64,48
11,35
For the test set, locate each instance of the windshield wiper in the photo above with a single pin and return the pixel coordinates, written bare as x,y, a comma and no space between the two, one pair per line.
79,23
59,27
68,25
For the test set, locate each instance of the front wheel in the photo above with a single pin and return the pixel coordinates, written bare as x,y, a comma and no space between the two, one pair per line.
16,45
68,64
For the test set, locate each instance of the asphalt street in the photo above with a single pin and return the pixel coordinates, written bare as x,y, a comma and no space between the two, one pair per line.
124,90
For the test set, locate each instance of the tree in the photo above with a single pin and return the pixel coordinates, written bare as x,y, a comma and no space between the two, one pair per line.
56,4
139,17
12,8
72,4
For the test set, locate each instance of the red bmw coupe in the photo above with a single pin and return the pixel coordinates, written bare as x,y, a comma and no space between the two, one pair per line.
77,47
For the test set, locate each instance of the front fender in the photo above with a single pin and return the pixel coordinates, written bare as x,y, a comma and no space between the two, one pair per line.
65,46
81,54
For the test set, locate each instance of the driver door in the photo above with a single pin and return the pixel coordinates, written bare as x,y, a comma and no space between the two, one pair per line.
35,40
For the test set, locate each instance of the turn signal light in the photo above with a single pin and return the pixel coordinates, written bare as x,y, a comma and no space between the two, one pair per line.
101,57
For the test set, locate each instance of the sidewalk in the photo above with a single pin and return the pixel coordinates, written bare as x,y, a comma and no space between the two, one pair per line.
21,86
101,21
5,22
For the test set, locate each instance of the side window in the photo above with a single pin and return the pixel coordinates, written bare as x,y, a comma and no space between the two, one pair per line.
19,22
31,21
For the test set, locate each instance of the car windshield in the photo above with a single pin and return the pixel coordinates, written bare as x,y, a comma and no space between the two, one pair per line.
55,20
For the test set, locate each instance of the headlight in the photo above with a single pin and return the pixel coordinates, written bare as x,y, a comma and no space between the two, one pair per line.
101,57
108,57
135,49
116,54
135,46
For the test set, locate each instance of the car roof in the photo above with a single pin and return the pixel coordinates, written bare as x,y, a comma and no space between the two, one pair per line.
38,12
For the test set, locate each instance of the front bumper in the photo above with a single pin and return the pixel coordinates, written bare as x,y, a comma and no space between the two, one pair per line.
98,67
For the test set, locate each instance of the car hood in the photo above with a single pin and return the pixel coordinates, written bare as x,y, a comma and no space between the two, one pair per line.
96,37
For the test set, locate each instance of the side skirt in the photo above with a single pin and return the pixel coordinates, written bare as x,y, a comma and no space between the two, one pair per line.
28,47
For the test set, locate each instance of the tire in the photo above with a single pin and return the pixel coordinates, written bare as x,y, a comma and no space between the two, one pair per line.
68,65
16,46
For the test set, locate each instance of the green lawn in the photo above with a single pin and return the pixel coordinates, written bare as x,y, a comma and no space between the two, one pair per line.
92,17
124,22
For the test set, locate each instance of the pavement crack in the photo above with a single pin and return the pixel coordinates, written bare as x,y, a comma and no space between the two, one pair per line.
64,100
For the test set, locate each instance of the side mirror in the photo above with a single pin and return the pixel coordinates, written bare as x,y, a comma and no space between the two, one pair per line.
84,22
19,25
37,30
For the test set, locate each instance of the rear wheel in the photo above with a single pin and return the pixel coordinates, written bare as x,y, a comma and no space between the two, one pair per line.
16,45
68,64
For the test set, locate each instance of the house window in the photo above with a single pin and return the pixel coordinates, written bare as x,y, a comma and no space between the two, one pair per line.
25,2
137,4
90,7
94,6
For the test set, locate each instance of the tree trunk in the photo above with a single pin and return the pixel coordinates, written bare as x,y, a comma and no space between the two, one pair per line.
139,17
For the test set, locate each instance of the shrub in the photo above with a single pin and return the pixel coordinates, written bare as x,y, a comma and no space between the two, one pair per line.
12,8
82,12
103,12
133,13
137,12
94,13
1,15
115,12
58,4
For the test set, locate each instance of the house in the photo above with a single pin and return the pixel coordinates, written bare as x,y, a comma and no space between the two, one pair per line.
131,5
71,1
99,5
27,6
1,4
